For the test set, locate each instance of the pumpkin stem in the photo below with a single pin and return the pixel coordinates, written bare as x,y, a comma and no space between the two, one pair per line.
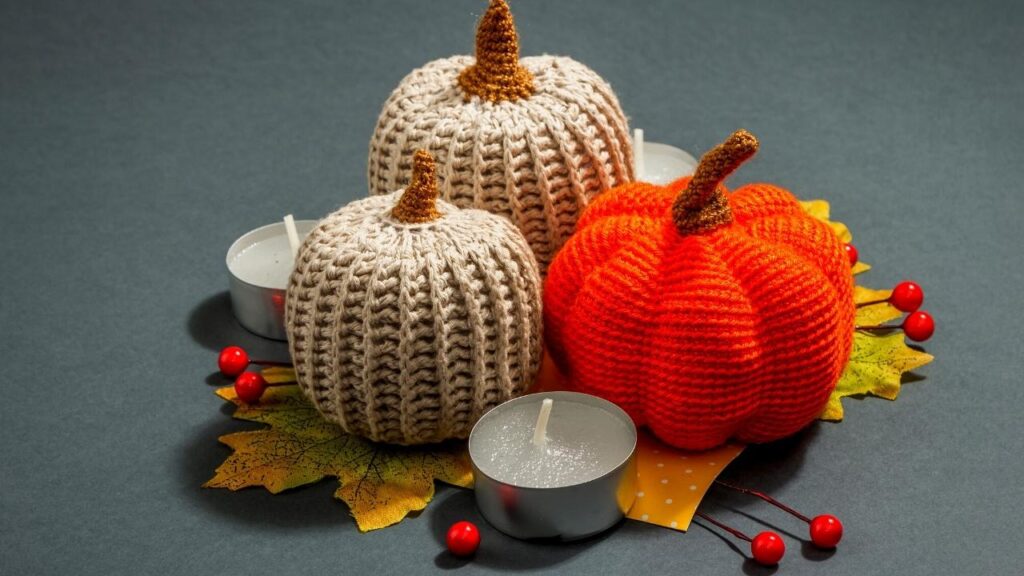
496,75
418,203
703,206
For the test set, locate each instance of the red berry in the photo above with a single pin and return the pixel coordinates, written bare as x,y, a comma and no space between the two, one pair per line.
907,297
919,326
463,538
767,548
851,253
232,361
249,386
826,531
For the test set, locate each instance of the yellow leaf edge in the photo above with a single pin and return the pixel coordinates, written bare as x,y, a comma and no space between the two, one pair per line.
869,315
369,520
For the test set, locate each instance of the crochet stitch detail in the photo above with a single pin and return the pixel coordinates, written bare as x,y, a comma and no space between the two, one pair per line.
703,206
496,75
418,202
537,161
407,334
740,332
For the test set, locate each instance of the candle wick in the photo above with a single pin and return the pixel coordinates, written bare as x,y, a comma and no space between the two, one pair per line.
293,235
638,154
540,432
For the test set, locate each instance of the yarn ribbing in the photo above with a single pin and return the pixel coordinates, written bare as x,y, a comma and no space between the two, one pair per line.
536,159
739,330
408,333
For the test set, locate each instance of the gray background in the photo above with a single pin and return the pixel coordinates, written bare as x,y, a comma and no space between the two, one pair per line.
137,140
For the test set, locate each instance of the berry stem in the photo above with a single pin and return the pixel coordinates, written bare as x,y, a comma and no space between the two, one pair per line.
725,527
272,363
872,303
764,497
878,328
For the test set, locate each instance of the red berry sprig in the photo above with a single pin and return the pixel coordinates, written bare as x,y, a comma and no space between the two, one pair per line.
249,387
906,296
233,360
826,530
463,539
918,326
851,253
767,547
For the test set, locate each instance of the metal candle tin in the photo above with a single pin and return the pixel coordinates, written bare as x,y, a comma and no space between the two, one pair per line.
258,302
567,512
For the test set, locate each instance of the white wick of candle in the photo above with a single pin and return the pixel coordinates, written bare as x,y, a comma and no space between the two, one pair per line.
540,432
293,235
638,153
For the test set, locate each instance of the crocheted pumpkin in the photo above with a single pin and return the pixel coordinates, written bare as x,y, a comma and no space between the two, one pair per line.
532,140
705,315
408,318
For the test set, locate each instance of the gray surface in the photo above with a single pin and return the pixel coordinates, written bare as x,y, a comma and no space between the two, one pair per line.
139,140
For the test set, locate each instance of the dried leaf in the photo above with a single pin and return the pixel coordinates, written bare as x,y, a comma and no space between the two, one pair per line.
876,366
380,483
278,375
874,314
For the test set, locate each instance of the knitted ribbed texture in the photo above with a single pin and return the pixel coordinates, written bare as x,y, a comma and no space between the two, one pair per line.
740,331
537,159
408,333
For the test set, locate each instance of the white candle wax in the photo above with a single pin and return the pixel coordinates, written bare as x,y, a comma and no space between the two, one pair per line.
583,442
264,258
660,163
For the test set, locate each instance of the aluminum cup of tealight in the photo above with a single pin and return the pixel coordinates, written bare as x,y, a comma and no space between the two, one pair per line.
259,264
577,481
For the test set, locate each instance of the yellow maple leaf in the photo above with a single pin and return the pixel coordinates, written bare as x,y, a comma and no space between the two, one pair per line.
381,483
876,366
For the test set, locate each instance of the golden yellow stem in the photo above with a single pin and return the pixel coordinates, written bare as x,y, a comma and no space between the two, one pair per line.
703,206
418,203
496,75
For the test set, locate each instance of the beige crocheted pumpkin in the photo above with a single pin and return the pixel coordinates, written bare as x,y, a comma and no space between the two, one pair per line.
532,140
408,318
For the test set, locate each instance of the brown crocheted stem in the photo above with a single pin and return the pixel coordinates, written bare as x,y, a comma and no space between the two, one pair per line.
703,206
496,75
418,203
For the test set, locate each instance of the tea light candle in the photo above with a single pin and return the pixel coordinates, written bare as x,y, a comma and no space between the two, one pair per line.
259,264
659,163
554,465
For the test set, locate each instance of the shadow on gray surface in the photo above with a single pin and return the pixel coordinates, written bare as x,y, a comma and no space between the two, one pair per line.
497,550
767,467
212,325
309,506
750,567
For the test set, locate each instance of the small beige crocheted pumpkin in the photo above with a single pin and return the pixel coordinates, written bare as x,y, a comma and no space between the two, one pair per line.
408,318
532,140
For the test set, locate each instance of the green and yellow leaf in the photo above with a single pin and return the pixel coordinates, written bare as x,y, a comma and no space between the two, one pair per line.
876,367
380,483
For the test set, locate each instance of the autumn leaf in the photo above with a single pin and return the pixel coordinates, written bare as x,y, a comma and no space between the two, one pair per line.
873,307
380,483
820,209
876,366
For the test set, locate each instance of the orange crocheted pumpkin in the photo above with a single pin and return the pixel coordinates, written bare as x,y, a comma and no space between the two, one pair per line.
706,315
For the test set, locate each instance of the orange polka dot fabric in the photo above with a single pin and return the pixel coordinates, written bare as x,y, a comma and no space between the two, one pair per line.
740,332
